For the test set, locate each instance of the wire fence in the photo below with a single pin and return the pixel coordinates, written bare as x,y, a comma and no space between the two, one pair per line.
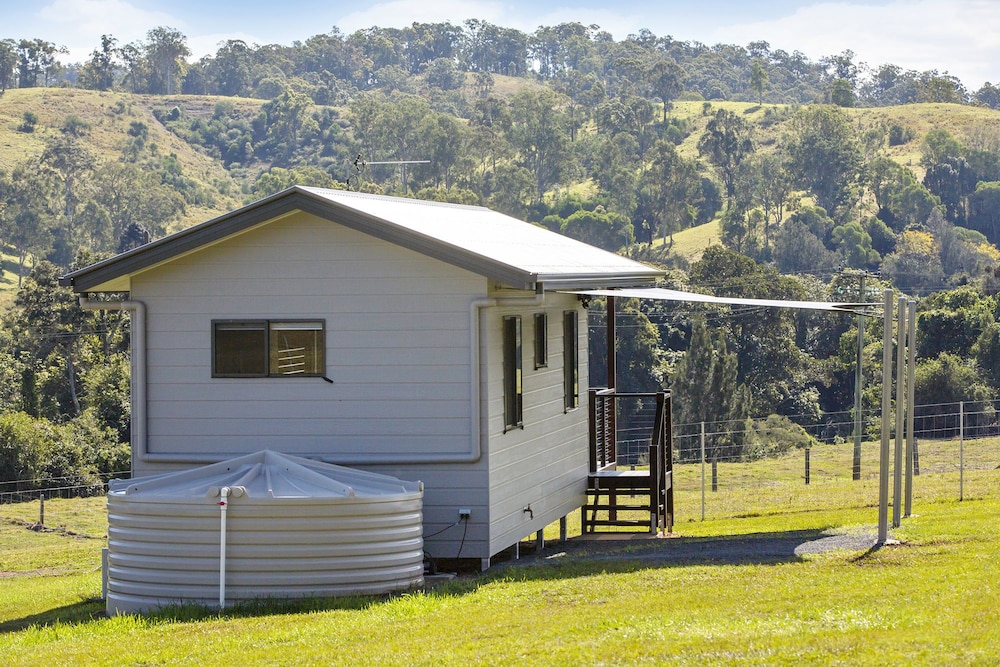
760,465
739,468
70,486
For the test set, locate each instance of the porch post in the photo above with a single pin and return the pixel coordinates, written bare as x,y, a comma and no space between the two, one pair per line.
612,339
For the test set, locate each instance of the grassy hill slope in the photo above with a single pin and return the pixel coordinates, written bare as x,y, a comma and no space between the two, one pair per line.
109,116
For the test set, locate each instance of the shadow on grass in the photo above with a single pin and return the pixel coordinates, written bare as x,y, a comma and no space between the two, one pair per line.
73,614
577,557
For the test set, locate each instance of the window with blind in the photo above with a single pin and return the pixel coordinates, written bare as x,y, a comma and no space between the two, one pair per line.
268,348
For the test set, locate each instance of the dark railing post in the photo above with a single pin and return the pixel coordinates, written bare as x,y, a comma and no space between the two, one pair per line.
592,407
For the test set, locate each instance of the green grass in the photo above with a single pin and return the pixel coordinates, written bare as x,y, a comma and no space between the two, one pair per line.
932,599
691,243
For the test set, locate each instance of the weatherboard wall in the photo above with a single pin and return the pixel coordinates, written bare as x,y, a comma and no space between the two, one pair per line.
398,335
537,473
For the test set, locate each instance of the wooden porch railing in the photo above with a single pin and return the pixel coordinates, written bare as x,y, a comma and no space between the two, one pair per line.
629,490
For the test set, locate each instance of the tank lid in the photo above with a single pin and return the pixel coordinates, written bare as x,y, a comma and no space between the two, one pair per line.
266,474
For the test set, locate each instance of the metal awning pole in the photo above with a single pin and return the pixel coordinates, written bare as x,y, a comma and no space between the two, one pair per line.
883,468
612,340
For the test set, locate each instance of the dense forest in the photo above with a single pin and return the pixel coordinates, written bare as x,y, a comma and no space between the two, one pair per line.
825,180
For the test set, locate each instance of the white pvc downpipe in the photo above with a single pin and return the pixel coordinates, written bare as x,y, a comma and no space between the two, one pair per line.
137,353
223,507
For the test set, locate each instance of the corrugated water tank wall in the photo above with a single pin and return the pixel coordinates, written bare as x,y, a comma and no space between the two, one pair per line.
164,544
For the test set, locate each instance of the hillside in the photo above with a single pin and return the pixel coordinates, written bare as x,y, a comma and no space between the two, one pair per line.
109,115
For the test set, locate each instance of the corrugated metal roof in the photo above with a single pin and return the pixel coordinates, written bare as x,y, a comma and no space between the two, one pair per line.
662,294
500,237
497,246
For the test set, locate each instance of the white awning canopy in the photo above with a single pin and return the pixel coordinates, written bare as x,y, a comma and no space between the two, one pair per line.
663,294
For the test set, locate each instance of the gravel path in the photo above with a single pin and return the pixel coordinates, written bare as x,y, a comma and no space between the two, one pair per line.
740,549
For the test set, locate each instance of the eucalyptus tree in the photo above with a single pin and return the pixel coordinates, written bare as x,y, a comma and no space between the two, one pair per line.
538,135
8,63
26,212
825,157
36,58
165,50
99,71
726,142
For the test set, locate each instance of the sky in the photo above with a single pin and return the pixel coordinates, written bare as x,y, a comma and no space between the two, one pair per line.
960,37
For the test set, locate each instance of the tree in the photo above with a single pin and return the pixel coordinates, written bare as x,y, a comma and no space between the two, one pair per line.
727,141
915,266
99,72
705,389
537,134
165,50
598,228
798,249
287,120
72,164
769,363
824,156
666,79
758,78
984,211
855,245
943,381
230,70
36,58
989,95
841,93
938,146
442,73
25,217
8,63
668,188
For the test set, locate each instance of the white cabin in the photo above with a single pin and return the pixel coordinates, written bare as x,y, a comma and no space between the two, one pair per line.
428,341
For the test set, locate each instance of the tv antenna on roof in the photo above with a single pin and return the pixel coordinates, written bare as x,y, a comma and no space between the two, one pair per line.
360,164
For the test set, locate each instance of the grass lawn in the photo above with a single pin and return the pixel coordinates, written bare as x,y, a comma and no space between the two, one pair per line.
931,599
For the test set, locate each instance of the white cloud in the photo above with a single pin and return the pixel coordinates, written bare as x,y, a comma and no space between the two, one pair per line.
79,24
958,36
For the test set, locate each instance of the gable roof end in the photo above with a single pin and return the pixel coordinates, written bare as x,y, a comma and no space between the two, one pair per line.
474,238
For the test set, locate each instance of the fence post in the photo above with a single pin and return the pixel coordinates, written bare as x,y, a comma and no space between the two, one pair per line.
715,474
961,450
703,471
807,466
41,510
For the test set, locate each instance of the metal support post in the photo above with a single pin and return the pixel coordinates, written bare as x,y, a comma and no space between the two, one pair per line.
897,472
883,470
858,379
911,353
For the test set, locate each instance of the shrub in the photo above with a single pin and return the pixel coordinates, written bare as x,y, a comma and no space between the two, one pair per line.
775,436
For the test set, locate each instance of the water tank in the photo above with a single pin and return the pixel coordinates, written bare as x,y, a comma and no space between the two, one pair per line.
267,525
